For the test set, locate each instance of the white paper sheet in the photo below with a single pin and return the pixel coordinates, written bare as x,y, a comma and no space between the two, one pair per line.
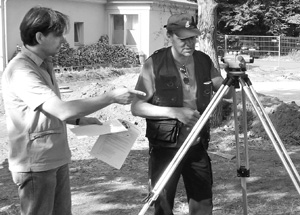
113,149
111,126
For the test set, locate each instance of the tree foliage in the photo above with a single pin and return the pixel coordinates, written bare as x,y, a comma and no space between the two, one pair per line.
259,17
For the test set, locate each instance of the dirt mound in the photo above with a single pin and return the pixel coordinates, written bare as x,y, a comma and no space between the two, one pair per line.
285,118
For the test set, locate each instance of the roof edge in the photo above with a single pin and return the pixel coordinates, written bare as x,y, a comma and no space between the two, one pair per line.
150,2
90,1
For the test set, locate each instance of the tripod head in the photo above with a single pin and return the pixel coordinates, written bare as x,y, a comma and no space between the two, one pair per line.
236,69
235,64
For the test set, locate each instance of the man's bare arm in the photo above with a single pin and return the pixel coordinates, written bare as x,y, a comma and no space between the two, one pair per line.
65,110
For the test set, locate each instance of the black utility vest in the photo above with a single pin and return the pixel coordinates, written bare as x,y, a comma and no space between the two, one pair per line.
168,85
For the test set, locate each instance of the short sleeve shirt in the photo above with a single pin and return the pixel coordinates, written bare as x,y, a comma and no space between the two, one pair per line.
37,140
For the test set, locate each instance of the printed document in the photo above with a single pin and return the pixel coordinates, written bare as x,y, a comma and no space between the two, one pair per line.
111,126
113,148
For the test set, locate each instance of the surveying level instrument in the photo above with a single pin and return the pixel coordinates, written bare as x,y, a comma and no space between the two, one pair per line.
236,77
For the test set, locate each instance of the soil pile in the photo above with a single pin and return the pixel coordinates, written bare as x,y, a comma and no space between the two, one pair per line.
285,117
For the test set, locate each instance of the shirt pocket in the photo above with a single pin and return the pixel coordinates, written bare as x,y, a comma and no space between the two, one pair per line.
166,91
36,135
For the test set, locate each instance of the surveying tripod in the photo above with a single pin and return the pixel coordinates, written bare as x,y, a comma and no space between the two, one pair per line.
234,78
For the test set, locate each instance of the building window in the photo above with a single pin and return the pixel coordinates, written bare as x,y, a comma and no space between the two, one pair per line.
125,30
78,34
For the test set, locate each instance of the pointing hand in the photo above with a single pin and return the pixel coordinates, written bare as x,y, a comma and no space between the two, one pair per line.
125,95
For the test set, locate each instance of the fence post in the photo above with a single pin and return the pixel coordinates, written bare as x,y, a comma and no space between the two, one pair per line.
279,50
226,36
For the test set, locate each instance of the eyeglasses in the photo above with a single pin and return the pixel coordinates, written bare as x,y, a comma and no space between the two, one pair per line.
186,79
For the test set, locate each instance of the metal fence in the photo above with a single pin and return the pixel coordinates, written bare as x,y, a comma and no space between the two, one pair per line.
262,46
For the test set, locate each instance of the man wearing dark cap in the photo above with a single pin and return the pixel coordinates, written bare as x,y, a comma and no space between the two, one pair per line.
178,81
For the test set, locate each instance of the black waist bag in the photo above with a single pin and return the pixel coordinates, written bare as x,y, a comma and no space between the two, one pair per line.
163,133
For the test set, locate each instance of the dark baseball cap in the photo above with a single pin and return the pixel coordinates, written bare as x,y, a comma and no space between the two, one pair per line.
183,25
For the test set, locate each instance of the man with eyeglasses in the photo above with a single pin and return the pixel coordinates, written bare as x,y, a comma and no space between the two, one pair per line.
178,81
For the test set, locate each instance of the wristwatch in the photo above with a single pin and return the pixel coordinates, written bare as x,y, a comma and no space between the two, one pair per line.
77,121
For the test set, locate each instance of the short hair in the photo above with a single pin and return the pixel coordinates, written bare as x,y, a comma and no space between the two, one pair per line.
44,20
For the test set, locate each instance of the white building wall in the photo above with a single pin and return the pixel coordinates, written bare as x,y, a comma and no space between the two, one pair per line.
153,15
158,18
1,39
145,32
90,13
143,16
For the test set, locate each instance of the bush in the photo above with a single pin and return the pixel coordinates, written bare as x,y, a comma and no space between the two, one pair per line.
100,53
294,54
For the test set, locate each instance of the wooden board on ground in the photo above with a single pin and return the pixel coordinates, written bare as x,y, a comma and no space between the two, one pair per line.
223,155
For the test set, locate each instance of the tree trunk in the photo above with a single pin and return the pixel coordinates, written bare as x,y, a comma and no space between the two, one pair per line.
207,22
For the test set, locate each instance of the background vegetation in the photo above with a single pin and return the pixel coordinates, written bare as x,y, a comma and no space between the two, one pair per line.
259,17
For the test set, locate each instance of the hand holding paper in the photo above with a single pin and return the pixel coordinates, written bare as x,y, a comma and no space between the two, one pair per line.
114,148
111,126
116,138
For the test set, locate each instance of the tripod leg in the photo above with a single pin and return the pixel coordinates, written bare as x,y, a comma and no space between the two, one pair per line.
153,195
273,135
236,132
245,130
242,171
246,171
244,191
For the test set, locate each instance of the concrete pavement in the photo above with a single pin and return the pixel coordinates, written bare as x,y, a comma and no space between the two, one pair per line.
284,91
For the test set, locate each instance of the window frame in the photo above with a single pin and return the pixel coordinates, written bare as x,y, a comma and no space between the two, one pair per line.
78,33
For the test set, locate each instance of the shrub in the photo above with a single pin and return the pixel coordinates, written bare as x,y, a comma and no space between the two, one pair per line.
65,56
100,53
294,54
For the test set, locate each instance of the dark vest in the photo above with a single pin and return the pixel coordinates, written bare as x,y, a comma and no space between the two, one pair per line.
169,90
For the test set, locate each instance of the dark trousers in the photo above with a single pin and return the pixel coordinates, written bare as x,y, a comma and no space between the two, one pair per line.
195,169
